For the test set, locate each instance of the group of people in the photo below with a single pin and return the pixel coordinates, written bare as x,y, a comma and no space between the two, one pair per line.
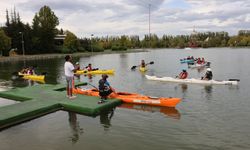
208,75
200,61
69,69
29,70
89,67
104,87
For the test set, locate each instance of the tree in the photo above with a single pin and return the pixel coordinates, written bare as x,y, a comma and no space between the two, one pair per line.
5,43
71,42
44,29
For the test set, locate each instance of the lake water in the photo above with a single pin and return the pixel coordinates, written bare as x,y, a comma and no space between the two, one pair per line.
208,118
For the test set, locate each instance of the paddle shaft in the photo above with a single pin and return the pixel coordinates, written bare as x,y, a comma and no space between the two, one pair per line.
150,63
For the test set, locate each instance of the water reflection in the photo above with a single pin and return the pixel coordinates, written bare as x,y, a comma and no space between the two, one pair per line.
208,89
183,87
105,118
168,111
75,127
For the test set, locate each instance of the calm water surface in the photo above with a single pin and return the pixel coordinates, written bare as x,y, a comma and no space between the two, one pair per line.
209,117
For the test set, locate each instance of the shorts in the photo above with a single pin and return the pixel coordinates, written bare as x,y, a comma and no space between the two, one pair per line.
105,93
69,82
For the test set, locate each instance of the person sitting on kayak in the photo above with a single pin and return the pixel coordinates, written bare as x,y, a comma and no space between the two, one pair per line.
89,67
30,71
208,75
77,66
202,60
104,88
183,74
199,61
143,64
24,71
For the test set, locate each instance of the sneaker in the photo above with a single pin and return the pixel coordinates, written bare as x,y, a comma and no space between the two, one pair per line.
101,101
72,97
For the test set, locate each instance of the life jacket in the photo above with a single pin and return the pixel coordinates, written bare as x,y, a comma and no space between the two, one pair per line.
209,75
183,75
103,85
143,65
30,72
89,68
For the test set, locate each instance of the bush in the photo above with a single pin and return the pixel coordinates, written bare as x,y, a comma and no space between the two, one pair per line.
97,48
118,48
65,50
81,49
58,49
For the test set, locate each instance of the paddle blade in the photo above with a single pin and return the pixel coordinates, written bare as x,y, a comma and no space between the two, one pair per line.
234,80
151,63
132,68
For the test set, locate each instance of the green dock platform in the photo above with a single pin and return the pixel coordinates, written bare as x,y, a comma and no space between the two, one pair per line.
43,99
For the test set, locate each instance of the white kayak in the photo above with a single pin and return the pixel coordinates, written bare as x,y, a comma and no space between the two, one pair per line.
195,65
194,81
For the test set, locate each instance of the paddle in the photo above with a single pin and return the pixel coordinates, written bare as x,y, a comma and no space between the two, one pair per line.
234,80
113,90
134,67
93,86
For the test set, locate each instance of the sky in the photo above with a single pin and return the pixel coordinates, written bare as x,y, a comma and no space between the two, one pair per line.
131,17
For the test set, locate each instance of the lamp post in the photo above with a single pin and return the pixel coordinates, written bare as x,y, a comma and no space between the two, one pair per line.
22,43
91,44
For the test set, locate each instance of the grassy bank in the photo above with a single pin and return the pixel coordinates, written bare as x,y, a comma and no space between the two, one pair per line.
52,56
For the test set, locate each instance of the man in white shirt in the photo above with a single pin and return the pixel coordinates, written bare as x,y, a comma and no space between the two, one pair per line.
69,70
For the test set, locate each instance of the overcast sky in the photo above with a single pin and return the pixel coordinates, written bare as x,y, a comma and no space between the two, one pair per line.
131,17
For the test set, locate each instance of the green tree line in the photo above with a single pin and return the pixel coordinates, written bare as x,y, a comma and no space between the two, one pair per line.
39,37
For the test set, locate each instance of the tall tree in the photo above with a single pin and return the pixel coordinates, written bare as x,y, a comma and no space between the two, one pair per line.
5,43
44,27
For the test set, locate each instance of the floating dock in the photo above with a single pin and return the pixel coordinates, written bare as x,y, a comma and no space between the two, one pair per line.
42,99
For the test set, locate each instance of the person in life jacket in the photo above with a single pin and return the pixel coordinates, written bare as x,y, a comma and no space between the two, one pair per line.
208,75
77,66
104,88
31,71
183,74
143,65
202,60
89,67
199,61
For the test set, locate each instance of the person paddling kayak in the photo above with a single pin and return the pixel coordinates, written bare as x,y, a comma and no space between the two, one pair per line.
143,64
104,88
77,66
208,75
183,74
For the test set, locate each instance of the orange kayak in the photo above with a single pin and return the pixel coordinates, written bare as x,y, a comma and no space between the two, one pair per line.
133,98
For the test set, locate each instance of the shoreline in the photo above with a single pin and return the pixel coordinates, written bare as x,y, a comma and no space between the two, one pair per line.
59,55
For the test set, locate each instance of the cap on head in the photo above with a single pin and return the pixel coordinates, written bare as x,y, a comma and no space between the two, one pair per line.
209,69
184,70
77,63
105,76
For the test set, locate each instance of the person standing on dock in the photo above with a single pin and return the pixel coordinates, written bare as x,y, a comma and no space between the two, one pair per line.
69,70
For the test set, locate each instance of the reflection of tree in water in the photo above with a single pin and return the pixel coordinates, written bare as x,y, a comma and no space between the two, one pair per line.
105,118
75,127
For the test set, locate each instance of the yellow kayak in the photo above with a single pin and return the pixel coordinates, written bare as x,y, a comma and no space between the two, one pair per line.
111,71
143,69
32,77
